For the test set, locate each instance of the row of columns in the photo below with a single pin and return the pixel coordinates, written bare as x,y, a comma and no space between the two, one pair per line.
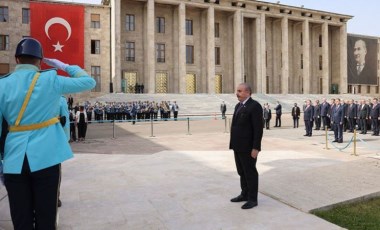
238,53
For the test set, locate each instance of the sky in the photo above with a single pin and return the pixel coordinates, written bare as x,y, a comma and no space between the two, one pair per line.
366,20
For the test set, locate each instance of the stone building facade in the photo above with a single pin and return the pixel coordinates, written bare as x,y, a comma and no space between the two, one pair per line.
202,46
15,25
209,46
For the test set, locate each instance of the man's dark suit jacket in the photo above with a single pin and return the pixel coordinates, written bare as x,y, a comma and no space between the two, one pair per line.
375,112
352,111
364,111
308,114
338,114
296,112
317,111
325,109
247,127
366,76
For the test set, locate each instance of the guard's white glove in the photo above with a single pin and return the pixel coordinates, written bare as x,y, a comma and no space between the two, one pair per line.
55,63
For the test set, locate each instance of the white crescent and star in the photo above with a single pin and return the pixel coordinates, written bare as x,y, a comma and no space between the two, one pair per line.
63,22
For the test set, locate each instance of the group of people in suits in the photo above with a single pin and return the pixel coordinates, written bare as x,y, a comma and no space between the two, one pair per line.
337,115
341,116
267,115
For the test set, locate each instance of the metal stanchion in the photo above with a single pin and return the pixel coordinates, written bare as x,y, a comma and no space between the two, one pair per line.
354,143
188,126
151,128
225,124
113,129
327,141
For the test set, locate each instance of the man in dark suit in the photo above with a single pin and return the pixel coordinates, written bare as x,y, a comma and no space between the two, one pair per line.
278,110
317,115
267,115
375,116
308,118
329,114
324,111
223,109
296,112
351,114
245,141
70,101
363,115
338,118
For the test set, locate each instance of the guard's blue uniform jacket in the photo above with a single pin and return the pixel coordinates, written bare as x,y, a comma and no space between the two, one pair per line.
46,146
64,112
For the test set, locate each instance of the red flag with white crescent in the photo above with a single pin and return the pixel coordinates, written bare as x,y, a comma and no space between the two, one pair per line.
60,29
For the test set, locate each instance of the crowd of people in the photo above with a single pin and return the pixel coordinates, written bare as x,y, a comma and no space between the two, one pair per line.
128,111
337,115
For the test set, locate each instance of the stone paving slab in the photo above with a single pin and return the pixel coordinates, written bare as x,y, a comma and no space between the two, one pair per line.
167,190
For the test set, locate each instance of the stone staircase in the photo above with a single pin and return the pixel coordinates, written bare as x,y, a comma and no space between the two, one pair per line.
209,104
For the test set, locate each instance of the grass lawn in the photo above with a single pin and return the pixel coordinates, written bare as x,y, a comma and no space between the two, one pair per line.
361,215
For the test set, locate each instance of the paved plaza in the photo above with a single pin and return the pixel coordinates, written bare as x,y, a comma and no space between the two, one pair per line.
123,177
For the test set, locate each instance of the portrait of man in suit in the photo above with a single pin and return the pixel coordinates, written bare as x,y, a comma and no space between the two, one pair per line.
361,61
245,141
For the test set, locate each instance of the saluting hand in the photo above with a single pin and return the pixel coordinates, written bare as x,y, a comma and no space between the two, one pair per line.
55,63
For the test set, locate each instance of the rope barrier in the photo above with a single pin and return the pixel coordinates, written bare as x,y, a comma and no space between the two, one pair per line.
340,148
354,139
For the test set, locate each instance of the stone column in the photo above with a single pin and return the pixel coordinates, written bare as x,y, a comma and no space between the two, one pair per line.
325,59
210,50
182,48
150,54
306,56
343,86
238,52
260,54
116,58
285,55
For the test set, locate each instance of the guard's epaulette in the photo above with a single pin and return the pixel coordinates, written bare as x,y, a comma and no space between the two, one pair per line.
6,75
45,70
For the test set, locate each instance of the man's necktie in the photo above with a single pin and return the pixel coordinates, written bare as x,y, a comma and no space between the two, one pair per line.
241,105
359,69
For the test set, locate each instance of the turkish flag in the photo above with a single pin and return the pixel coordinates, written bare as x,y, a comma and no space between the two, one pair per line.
60,29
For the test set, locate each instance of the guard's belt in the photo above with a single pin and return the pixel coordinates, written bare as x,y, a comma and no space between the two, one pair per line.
17,127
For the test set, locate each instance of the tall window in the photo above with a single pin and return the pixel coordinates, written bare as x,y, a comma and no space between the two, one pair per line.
160,52
216,28
95,73
189,54
130,22
160,25
217,55
301,38
4,42
4,14
320,40
95,46
95,20
320,62
301,61
189,27
130,51
25,15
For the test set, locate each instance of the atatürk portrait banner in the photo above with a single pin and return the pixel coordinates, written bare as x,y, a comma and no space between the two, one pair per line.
362,60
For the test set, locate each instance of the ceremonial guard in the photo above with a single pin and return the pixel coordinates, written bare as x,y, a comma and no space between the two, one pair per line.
36,144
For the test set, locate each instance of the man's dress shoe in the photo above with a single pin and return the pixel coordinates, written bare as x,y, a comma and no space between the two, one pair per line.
239,198
249,204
